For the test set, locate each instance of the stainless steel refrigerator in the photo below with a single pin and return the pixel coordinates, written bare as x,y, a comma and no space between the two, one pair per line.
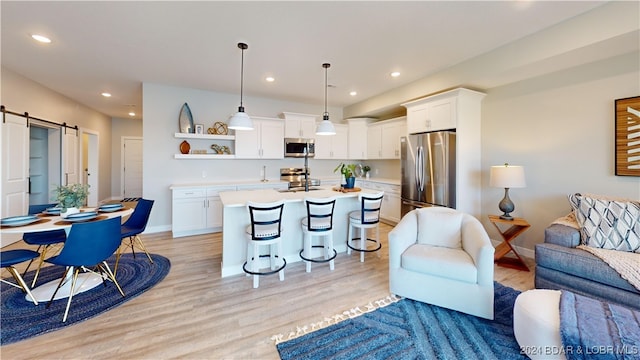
428,165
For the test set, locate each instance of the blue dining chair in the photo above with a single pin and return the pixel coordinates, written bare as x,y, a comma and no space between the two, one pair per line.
9,258
45,240
133,227
88,245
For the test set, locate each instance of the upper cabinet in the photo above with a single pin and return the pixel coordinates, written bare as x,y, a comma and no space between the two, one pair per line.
265,141
358,137
333,146
433,113
383,138
299,125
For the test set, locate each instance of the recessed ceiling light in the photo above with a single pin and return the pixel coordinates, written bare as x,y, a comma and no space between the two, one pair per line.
395,74
131,113
41,38
106,94
353,93
270,79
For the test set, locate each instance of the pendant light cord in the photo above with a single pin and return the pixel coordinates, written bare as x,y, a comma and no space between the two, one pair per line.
243,47
325,116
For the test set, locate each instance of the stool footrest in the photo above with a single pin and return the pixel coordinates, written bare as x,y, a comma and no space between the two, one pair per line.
270,272
335,253
364,250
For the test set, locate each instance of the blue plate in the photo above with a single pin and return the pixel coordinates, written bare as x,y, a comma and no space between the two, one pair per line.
52,211
83,216
19,220
110,207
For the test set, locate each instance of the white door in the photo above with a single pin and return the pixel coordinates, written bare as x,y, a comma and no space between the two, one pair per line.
90,140
70,156
15,166
131,167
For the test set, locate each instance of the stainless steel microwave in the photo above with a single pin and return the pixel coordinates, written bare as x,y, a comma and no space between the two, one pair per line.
296,147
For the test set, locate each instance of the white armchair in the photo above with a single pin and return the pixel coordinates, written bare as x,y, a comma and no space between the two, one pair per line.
443,257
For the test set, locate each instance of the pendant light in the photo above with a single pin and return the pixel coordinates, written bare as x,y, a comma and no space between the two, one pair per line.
240,120
325,127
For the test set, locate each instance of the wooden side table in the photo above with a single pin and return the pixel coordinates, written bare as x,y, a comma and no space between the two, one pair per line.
517,227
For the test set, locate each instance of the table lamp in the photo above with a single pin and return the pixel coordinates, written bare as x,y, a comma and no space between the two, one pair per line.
507,176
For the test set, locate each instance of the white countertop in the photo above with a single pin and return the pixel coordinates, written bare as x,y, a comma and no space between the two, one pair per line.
324,180
240,198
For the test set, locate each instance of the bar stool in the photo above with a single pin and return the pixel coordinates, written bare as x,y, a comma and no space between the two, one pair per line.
9,258
366,218
265,230
318,222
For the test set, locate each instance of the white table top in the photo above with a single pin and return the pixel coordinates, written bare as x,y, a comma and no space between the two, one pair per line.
240,198
54,222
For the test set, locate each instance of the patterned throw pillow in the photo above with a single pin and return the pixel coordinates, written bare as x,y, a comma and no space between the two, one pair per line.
607,223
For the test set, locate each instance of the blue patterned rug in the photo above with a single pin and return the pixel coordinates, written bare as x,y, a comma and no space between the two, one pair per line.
20,319
409,329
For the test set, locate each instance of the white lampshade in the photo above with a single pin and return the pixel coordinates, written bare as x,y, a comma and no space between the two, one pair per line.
507,176
240,121
325,127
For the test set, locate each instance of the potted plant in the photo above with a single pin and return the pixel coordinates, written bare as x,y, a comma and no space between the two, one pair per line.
347,170
70,198
366,170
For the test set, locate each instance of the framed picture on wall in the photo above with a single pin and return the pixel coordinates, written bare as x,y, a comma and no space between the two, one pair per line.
627,136
199,129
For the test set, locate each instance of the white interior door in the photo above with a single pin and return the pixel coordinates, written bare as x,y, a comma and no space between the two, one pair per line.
70,156
15,166
89,161
131,160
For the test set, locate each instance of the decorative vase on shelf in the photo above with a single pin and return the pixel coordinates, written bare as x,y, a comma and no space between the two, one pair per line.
366,175
70,211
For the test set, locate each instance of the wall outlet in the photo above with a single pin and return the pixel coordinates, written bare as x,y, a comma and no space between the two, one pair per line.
377,171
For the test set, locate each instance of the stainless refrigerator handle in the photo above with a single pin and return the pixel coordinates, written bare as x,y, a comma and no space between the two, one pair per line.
421,168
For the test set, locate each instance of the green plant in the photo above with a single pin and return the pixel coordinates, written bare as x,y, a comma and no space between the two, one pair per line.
366,168
73,195
346,169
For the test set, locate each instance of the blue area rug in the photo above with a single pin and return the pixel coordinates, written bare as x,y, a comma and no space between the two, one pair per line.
20,319
409,329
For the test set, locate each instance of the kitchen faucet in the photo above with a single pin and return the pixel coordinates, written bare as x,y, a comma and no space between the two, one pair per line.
306,167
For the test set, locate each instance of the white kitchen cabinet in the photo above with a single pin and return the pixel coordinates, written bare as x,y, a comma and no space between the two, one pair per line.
265,141
383,138
299,125
333,146
438,112
197,210
358,137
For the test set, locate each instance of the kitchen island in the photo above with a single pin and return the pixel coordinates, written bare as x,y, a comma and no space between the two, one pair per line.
235,219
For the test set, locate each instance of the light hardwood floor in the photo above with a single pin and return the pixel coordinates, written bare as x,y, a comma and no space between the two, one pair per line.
196,314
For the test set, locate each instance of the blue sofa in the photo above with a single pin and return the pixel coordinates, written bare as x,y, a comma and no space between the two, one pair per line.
560,266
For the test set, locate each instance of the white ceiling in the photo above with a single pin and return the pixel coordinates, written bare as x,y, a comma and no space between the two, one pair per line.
116,46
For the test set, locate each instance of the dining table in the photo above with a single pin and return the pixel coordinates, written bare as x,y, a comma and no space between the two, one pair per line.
87,280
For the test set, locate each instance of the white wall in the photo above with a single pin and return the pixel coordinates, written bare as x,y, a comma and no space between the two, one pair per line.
21,95
161,106
560,127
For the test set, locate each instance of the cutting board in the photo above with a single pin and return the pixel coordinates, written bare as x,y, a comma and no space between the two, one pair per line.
341,189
